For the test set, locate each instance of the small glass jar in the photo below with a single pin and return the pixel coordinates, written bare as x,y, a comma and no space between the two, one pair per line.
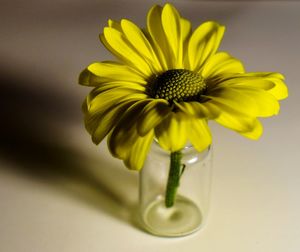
189,212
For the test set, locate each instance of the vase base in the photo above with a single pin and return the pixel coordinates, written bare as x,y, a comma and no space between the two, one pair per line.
182,219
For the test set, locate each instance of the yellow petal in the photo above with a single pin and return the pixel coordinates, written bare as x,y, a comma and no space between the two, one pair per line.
107,120
237,80
265,103
98,101
203,43
121,47
94,118
152,114
279,89
172,29
161,36
257,83
85,78
138,152
234,120
272,82
104,72
125,133
255,133
138,40
186,32
235,99
221,63
114,85
115,24
171,133
109,79
199,134
157,36
197,109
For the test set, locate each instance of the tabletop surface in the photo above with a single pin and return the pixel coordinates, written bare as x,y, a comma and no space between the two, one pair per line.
60,192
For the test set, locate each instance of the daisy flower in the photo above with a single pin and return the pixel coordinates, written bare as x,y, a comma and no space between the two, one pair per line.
167,82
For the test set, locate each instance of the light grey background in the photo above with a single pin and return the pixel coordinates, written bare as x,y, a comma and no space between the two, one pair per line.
59,192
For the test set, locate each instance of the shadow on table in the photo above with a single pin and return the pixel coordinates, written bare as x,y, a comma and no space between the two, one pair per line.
29,141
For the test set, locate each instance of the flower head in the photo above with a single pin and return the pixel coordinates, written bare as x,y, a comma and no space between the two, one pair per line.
167,83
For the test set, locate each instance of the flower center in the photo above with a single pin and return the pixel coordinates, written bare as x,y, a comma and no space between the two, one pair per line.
178,85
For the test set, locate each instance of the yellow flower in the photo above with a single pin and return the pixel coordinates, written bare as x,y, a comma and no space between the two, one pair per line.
168,82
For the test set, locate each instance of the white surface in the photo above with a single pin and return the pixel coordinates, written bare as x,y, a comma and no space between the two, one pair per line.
58,192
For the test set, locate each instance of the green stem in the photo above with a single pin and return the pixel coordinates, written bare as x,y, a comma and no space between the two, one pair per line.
173,179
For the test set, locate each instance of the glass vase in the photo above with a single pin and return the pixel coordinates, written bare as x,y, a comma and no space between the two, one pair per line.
189,211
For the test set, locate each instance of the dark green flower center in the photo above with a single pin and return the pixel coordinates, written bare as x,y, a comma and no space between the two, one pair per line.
178,85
